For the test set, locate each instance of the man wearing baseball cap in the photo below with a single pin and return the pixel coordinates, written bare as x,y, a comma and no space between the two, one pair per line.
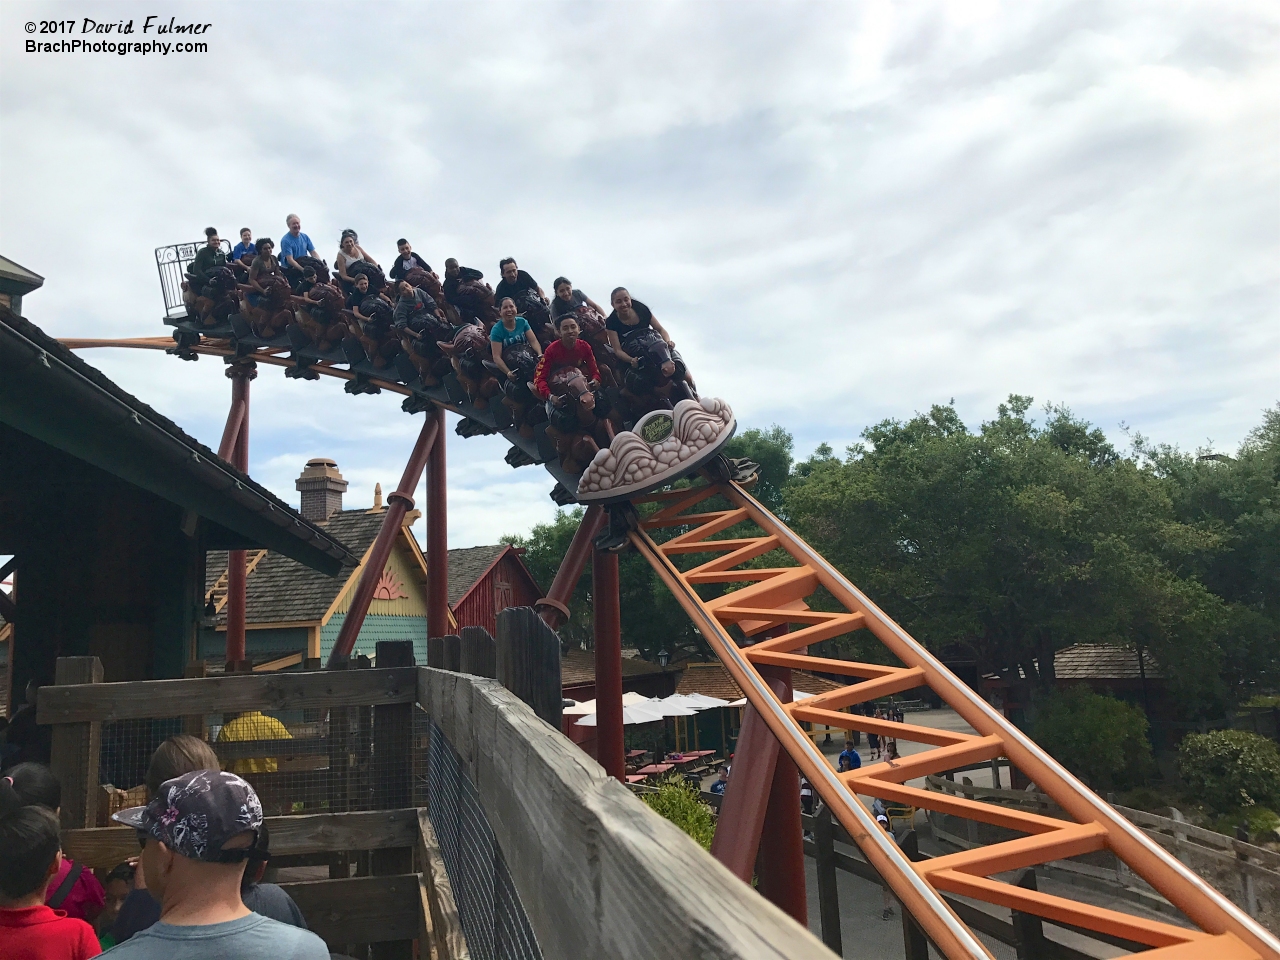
197,833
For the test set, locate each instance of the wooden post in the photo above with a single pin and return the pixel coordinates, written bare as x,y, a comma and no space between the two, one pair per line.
529,662
995,773
392,787
76,748
915,944
435,652
828,890
479,652
452,652
972,825
194,725
1028,929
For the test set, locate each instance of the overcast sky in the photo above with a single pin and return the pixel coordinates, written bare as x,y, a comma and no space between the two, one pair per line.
841,211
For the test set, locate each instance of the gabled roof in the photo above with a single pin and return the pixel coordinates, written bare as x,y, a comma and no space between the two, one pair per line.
280,590
578,666
713,680
1098,661
49,393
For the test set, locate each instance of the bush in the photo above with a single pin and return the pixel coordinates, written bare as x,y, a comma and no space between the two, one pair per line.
1100,739
678,802
1230,769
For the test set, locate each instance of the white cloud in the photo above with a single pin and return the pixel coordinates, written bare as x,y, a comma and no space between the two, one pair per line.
842,212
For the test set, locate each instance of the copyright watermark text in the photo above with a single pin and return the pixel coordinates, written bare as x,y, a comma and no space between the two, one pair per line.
153,35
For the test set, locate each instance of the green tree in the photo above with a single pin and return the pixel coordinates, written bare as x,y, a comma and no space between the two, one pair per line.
678,802
1230,769
772,450
1013,541
1099,738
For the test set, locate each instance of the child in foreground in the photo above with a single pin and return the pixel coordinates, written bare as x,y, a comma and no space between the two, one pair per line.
29,930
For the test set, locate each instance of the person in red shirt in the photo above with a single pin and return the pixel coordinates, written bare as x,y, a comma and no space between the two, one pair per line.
29,930
568,351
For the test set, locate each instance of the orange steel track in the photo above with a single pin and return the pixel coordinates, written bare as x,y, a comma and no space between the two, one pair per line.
768,598
773,597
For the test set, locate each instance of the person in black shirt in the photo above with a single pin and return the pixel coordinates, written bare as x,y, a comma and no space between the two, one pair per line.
359,290
407,260
208,259
568,300
454,275
629,317
513,281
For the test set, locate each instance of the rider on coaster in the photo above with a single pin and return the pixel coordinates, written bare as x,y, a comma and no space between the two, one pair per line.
513,281
568,351
629,318
568,300
510,329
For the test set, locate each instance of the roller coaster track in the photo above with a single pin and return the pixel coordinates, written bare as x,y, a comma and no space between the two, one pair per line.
771,599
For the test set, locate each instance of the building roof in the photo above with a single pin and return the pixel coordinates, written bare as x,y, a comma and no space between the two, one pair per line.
280,590
468,564
1098,661
713,680
49,393
17,279
578,667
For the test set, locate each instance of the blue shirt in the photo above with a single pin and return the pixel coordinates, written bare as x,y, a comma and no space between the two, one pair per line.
718,786
500,334
850,759
299,246
242,248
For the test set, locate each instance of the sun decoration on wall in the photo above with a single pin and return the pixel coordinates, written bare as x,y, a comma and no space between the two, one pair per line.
389,587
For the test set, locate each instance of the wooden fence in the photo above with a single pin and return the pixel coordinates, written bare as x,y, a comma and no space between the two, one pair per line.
597,873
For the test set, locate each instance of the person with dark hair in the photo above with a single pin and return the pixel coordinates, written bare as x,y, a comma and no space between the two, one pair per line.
630,317
513,281
31,860
411,304
350,253
510,329
118,885
408,260
208,259
245,248
74,889
197,835
567,351
178,755
568,299
455,274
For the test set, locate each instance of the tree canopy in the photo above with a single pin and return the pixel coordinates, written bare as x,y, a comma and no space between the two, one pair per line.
1016,539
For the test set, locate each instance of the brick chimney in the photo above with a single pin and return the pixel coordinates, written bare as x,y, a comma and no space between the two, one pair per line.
321,486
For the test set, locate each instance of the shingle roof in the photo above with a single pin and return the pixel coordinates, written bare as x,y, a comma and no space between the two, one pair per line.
281,590
579,666
713,680
1097,661
466,564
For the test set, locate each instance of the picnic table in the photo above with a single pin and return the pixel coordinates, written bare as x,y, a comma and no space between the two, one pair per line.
654,769
634,778
636,754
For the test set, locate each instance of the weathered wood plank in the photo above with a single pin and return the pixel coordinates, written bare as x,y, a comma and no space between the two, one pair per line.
359,909
448,941
157,699
311,833
528,662
479,652
76,746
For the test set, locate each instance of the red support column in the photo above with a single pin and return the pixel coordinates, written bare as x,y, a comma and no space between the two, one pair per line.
398,503
234,448
746,797
781,837
554,607
437,534
606,603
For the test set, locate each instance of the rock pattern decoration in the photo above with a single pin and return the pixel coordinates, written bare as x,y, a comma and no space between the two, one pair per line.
663,444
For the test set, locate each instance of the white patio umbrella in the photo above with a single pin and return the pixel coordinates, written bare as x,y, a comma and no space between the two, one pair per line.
796,695
637,713
697,701
589,706
670,707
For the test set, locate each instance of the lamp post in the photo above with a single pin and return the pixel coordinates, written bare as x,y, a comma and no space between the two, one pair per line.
663,657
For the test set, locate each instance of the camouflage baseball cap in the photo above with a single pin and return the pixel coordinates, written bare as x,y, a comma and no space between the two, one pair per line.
196,813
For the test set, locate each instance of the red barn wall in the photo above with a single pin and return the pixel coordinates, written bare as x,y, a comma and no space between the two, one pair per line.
507,584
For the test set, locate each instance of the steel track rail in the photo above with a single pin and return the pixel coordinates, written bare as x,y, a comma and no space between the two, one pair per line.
772,597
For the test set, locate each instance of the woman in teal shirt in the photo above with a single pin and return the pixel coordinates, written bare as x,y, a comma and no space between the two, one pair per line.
508,330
